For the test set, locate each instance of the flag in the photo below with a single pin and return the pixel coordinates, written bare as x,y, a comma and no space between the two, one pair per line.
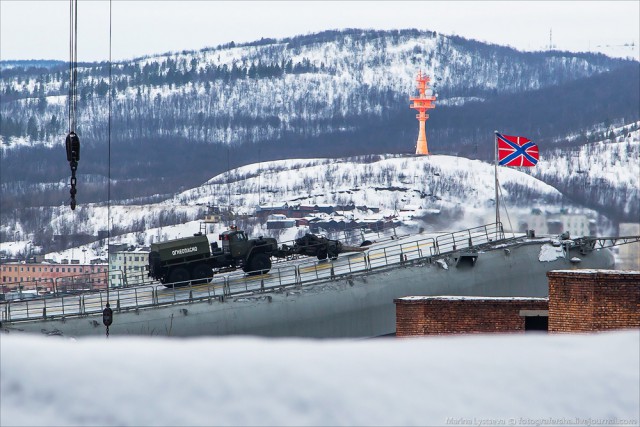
516,151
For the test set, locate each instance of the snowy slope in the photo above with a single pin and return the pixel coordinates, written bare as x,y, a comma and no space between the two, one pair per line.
604,173
327,84
525,380
457,192
389,182
354,73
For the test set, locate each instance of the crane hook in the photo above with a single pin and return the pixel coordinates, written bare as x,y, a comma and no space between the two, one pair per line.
72,144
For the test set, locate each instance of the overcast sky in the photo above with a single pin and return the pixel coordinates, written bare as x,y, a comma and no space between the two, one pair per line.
40,29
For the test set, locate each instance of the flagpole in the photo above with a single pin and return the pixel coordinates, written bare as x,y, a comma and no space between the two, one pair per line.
495,174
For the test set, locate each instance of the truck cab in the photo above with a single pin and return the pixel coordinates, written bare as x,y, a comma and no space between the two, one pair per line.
235,243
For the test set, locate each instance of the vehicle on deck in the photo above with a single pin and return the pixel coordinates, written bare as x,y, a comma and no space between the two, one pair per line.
195,259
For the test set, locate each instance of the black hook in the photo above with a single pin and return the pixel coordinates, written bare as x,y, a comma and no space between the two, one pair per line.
72,144
107,317
73,148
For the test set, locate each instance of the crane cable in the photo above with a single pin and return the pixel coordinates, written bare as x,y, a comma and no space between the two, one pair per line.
107,313
72,142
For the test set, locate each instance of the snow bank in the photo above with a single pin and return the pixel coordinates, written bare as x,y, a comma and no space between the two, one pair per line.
508,379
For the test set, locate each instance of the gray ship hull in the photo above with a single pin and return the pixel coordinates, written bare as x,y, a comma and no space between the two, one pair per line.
358,303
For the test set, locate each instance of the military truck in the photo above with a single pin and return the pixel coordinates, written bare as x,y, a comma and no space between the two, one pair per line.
312,245
194,259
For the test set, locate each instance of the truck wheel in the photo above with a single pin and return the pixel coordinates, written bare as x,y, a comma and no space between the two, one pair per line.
179,274
260,264
322,255
333,255
201,273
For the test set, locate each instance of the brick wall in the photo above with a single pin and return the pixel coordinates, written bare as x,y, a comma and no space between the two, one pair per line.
463,315
593,300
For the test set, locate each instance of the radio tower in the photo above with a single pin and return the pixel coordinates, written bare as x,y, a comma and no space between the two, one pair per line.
422,103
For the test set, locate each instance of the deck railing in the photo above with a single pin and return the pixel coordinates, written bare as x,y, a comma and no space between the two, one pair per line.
281,277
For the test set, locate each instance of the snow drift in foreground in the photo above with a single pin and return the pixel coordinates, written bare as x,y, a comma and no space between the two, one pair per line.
505,379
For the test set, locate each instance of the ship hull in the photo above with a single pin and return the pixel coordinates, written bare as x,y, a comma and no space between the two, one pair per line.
346,306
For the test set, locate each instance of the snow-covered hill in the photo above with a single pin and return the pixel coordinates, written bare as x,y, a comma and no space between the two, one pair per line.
260,91
389,182
604,174
179,118
434,192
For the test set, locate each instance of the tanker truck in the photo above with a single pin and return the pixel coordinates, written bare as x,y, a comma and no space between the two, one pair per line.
194,259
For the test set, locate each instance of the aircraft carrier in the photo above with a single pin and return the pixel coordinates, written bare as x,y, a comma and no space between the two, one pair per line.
349,297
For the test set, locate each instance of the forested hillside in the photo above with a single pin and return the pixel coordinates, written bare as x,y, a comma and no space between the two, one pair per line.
453,191
178,118
459,192
604,175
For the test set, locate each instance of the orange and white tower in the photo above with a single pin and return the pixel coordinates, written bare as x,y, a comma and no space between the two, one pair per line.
423,102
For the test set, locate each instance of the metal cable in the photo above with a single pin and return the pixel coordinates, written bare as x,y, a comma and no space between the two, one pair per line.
72,142
73,63
109,172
